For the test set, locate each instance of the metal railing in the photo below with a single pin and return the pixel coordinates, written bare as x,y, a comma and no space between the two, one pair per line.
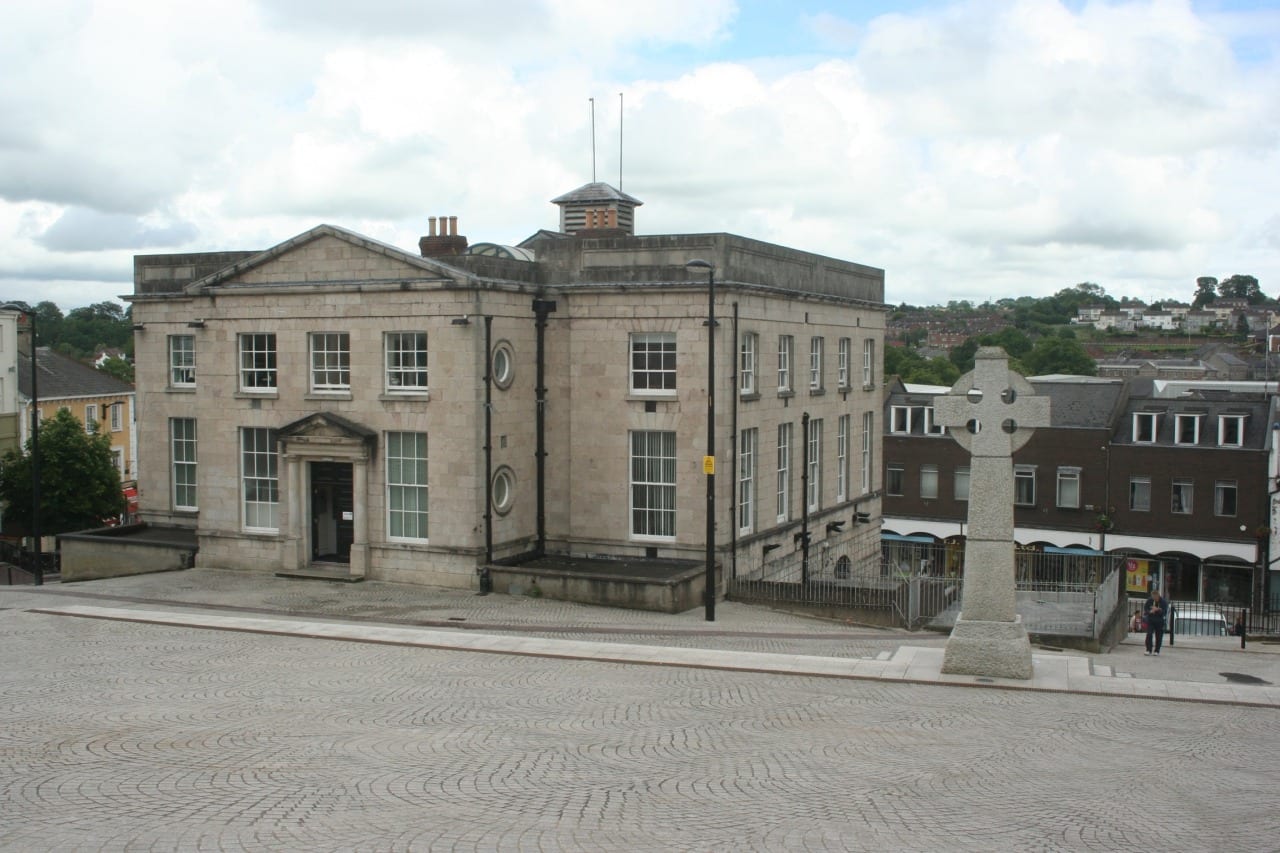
1068,594
1205,619
842,576
19,564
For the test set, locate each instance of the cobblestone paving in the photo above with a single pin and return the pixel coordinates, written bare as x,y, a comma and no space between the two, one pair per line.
122,736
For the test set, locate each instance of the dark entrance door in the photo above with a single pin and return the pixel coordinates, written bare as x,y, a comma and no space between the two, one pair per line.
332,512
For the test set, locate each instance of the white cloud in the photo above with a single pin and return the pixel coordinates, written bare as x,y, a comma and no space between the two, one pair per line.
973,150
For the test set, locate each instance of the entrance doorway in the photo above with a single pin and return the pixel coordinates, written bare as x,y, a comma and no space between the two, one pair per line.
332,512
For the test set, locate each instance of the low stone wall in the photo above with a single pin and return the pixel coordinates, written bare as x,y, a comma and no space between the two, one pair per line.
134,549
670,595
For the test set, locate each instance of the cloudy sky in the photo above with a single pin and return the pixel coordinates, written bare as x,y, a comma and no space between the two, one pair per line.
974,149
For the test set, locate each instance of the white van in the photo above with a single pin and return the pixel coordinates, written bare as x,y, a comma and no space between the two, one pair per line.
1198,623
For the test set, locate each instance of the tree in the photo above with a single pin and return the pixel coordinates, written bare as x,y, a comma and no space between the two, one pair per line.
936,371
1059,354
1066,303
1242,287
84,330
120,368
1206,291
1013,341
910,366
48,323
79,484
962,356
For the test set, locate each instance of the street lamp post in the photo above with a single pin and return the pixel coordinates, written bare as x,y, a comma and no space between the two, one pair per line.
37,567
709,461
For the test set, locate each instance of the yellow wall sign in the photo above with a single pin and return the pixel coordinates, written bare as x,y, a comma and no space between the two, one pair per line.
708,464
1138,574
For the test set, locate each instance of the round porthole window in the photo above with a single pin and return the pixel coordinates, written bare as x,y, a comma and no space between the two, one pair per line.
503,365
504,490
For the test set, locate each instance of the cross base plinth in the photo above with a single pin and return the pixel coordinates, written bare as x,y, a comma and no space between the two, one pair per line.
996,649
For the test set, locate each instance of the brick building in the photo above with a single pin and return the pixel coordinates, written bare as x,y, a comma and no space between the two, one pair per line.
1173,474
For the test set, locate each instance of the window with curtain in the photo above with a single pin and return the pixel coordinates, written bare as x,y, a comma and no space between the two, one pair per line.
929,482
747,363
330,361
653,483
842,458
257,362
784,472
815,464
182,361
406,362
748,442
1069,488
786,350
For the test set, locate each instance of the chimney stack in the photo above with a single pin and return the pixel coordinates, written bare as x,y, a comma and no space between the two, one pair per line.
444,244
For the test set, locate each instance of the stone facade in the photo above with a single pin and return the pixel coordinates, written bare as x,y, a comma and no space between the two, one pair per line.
486,497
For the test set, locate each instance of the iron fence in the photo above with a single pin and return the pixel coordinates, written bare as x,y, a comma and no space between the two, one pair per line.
19,563
1068,593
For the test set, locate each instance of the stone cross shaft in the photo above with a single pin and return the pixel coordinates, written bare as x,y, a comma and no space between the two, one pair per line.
991,412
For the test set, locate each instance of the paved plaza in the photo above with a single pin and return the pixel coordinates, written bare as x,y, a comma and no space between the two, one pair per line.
221,710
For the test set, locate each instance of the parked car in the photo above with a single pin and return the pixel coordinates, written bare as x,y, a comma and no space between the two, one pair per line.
1198,623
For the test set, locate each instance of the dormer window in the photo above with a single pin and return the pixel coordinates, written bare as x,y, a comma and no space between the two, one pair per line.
1231,430
899,419
1186,429
1144,427
930,426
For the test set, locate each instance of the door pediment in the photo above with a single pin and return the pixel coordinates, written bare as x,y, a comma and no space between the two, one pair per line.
328,434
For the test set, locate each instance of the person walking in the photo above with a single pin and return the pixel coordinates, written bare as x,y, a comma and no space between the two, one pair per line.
1153,610
1242,627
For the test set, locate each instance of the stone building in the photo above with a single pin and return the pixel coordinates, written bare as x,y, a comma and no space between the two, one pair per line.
334,401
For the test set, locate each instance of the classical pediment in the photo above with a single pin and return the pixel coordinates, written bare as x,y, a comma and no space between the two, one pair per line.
327,430
328,254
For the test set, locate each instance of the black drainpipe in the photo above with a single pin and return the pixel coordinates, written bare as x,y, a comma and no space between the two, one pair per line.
803,535
488,440
733,464
541,308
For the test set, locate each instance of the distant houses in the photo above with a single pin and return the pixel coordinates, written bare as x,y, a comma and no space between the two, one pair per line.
1223,314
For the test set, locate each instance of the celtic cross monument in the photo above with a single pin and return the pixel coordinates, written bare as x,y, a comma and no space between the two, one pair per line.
991,412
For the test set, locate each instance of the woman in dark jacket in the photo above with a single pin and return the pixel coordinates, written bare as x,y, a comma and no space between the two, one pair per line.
1154,612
